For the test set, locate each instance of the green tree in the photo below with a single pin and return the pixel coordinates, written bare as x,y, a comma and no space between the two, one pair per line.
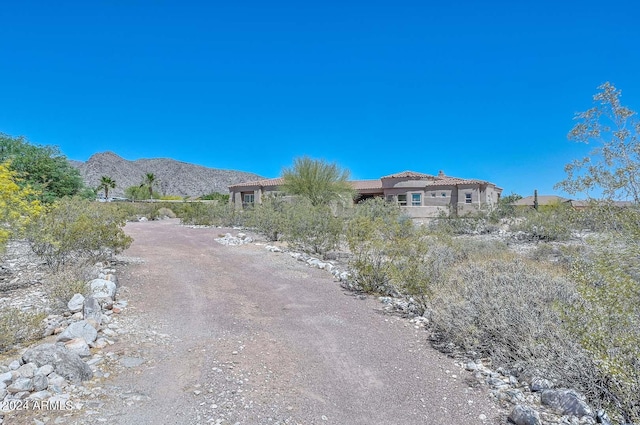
148,182
318,181
43,168
612,167
106,183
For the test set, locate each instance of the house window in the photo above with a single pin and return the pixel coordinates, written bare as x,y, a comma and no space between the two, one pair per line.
402,200
433,194
443,194
248,199
467,198
390,198
416,199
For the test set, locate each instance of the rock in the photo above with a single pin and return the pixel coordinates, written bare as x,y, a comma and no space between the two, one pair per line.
565,402
91,309
40,395
14,365
102,288
56,380
40,382
79,346
524,415
81,329
44,370
540,384
112,277
27,370
99,343
6,378
20,385
75,303
131,361
65,362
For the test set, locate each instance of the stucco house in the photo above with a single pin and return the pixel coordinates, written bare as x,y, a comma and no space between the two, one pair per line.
420,195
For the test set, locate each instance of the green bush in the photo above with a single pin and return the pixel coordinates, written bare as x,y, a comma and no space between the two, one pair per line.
17,326
270,217
216,196
65,283
607,320
77,230
312,228
389,253
550,223
211,214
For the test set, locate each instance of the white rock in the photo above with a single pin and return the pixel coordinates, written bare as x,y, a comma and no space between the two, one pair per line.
76,303
81,329
102,288
78,346
44,370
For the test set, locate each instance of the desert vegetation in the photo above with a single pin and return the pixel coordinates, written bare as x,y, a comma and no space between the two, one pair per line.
550,292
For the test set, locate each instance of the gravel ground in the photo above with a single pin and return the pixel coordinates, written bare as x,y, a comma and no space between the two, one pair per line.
239,335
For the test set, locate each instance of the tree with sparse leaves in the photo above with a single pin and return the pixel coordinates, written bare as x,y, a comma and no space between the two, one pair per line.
318,181
612,167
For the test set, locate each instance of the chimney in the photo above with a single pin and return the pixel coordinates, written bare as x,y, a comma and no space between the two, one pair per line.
441,173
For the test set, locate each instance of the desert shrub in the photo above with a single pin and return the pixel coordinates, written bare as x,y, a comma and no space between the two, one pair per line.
391,255
166,212
77,230
607,320
312,228
65,283
466,225
270,217
216,196
551,223
17,326
511,310
211,214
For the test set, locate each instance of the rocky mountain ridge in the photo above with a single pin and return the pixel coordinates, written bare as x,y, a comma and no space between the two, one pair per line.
173,177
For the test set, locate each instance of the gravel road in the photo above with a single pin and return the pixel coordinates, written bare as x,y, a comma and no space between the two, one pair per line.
237,334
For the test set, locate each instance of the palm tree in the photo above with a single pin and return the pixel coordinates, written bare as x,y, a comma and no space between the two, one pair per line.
149,181
106,183
317,180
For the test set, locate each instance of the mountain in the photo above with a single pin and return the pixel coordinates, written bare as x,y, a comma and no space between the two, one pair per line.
174,177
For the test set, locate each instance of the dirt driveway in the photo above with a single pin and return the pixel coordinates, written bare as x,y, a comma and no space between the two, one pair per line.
243,335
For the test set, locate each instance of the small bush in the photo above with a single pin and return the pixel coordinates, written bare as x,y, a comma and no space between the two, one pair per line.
270,217
65,283
166,212
310,228
552,223
17,326
211,214
607,320
77,230
511,310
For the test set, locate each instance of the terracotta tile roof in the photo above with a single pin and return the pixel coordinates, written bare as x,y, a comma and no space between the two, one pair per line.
407,174
366,184
260,183
454,180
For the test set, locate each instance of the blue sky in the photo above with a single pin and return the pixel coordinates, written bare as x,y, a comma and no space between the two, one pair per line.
478,89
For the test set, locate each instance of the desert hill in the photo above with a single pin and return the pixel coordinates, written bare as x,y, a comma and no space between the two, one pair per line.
174,177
